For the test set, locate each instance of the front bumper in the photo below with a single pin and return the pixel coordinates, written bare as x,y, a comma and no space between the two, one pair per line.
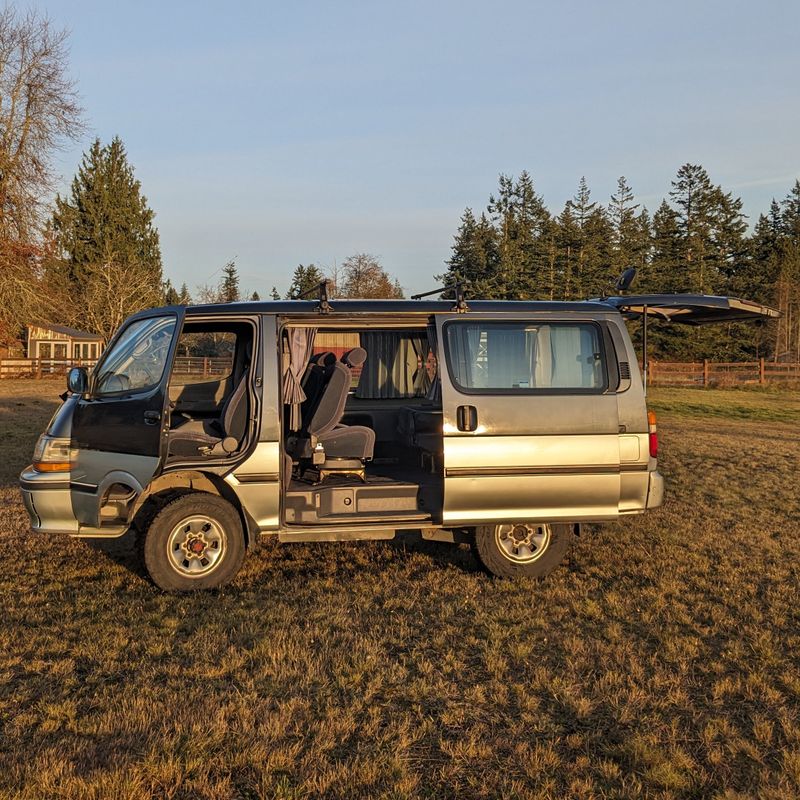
48,502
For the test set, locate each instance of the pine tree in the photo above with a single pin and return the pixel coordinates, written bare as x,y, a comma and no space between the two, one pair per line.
713,251
591,275
109,260
229,286
760,276
275,294
712,228
630,231
184,298
171,297
787,284
106,219
665,274
521,221
255,296
568,242
304,279
474,259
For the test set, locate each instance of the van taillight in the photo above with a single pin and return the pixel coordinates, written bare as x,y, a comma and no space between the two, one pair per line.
652,434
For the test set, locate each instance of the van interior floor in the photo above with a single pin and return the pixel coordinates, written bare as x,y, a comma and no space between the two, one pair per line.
390,493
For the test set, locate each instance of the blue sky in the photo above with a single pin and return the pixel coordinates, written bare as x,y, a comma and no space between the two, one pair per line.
280,133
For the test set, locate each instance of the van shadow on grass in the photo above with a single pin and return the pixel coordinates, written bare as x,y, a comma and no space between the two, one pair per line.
123,550
314,560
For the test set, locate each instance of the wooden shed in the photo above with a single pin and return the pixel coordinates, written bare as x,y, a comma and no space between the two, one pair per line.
59,342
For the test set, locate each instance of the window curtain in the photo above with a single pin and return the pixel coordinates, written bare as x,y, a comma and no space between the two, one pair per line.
541,357
301,345
393,368
435,388
508,366
421,382
568,371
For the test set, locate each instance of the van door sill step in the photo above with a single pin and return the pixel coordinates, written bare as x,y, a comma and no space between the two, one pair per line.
371,516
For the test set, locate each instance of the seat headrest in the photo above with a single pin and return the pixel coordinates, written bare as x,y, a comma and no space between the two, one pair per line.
355,357
324,359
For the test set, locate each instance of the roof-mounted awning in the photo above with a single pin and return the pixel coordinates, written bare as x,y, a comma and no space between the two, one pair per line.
690,309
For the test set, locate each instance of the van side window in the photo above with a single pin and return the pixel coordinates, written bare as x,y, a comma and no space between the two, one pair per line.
203,356
137,359
529,356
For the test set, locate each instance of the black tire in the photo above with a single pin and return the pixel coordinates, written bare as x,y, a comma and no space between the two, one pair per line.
495,546
194,542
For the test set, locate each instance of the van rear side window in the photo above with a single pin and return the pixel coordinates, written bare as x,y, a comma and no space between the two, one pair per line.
525,356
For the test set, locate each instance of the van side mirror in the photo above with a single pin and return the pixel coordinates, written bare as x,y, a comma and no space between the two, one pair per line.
78,380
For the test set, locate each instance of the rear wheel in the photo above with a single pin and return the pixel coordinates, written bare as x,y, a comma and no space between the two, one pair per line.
522,549
194,542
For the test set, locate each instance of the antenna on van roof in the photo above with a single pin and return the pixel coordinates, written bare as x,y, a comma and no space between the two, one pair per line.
321,290
457,288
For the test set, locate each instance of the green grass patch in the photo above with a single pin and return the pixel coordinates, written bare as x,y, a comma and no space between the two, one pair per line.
766,405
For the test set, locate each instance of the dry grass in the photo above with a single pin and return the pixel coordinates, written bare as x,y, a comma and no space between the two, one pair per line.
660,661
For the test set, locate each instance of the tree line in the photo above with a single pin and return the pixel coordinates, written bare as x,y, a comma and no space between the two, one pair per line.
92,257
359,276
696,241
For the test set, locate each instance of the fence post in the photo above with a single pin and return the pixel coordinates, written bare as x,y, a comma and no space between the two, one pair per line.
762,377
651,371
38,371
205,366
705,372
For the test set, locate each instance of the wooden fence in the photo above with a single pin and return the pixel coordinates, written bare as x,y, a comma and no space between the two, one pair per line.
52,367
41,367
660,373
721,373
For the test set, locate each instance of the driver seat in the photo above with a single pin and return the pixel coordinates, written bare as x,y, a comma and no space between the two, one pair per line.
216,437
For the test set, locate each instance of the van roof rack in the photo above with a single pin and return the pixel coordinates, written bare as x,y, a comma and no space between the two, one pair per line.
321,290
457,288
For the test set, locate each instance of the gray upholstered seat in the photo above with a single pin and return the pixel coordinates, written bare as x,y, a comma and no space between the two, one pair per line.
314,379
219,436
344,446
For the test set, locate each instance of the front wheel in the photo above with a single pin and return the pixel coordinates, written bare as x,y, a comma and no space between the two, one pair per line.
194,542
522,549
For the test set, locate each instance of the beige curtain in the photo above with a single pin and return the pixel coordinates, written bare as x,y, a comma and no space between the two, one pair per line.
301,345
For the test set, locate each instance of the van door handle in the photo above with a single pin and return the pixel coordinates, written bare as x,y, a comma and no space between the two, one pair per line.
467,418
152,417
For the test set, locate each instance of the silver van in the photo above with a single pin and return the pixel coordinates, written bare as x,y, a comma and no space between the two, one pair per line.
502,424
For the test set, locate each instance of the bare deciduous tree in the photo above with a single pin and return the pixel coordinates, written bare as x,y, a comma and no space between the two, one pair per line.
113,293
39,111
364,277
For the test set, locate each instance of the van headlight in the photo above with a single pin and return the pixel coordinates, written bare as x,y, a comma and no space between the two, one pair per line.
51,454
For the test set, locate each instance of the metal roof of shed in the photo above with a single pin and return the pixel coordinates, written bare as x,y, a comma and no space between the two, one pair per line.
73,333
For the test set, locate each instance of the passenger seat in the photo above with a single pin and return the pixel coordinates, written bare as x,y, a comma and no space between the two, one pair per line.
345,447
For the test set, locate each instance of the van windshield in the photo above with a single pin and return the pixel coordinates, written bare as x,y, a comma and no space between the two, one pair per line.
137,359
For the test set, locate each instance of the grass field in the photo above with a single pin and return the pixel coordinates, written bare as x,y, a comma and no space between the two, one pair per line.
662,660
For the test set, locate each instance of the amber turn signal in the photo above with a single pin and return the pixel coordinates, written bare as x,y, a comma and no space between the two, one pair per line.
51,466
